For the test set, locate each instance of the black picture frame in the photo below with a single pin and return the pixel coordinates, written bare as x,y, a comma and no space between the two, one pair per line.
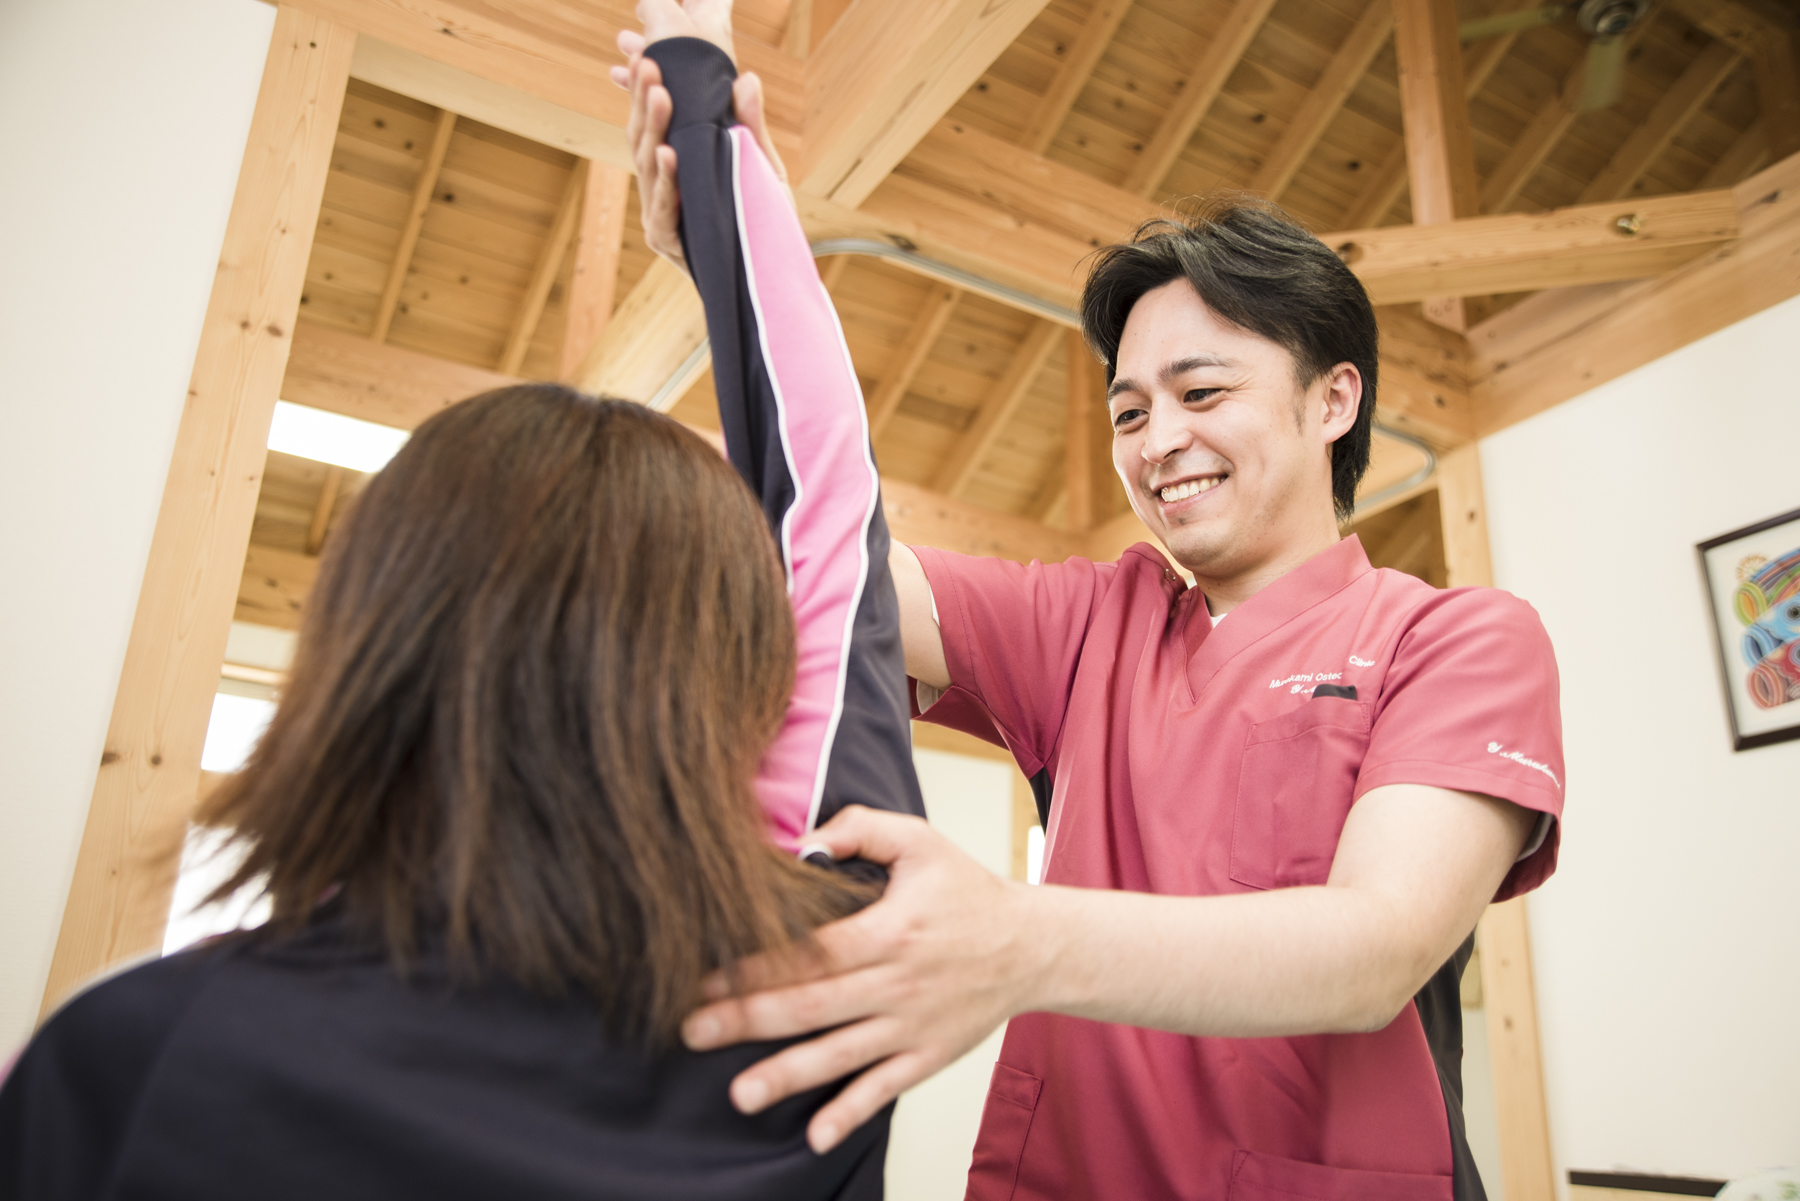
1744,716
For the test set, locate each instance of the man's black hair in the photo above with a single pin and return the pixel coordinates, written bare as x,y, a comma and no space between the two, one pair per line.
1257,268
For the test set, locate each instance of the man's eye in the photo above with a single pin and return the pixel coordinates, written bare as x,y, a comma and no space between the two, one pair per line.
1197,395
1126,417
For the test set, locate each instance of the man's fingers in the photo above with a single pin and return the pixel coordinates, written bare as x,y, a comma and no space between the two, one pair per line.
862,833
863,1098
781,1012
813,1063
631,43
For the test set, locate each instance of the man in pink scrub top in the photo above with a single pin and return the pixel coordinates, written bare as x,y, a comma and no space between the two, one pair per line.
1276,801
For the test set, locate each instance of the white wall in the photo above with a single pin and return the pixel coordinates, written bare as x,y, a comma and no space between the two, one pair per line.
970,802
1667,946
122,125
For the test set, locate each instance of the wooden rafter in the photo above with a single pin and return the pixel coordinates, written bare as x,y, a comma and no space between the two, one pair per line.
1011,389
1673,109
543,276
797,37
1559,344
1768,42
1326,98
1198,92
1748,152
652,333
1440,152
415,221
884,75
124,877
1084,55
329,488
593,283
832,270
910,355
1389,179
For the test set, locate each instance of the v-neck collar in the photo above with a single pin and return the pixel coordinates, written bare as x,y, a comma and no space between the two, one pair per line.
1210,646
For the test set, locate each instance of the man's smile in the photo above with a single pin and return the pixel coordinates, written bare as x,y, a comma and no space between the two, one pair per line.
1172,495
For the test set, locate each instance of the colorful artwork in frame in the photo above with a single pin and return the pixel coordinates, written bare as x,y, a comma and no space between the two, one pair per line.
1753,583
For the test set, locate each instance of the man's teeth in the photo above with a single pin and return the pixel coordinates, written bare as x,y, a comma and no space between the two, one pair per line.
1182,491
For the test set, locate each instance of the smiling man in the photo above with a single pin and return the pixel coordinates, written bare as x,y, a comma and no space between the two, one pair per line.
1276,802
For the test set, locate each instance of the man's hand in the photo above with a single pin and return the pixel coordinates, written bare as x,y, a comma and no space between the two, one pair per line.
647,127
921,977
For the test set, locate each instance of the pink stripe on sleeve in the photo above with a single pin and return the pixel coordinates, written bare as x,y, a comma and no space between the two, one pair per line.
825,533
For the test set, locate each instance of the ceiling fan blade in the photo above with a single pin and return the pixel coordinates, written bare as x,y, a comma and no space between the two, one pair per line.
1503,23
1604,77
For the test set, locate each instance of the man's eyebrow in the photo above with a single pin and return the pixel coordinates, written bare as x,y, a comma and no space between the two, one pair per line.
1171,370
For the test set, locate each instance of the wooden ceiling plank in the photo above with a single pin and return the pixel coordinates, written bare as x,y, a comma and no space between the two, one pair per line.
1768,42
1096,35
796,36
1082,391
910,355
1201,87
1440,152
1021,372
415,221
884,75
599,240
537,292
1326,98
1748,152
1675,108
1542,357
321,518
120,891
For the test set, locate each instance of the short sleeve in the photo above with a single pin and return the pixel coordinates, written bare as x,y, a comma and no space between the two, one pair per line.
1013,635
1471,701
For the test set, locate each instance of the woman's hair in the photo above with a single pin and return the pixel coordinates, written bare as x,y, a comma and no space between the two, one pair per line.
542,661
1262,271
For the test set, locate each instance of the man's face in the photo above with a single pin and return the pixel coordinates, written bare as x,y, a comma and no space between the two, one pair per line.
1225,457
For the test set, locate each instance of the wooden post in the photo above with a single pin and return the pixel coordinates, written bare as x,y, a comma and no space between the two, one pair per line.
1527,1171
1081,420
1440,153
595,279
124,876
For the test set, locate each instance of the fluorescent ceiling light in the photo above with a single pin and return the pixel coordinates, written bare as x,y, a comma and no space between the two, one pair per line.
331,438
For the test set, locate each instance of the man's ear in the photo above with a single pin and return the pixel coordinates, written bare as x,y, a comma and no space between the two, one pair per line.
1342,398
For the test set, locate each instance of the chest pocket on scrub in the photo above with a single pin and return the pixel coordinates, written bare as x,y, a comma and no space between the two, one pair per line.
1294,786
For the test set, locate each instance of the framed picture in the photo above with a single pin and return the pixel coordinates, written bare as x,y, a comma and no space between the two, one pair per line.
1753,582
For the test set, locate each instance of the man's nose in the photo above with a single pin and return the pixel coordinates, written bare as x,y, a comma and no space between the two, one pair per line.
1165,432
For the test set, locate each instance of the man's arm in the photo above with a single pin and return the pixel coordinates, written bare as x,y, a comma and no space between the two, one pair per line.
919,635
952,951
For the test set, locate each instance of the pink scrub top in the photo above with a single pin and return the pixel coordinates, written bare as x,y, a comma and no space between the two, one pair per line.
1188,759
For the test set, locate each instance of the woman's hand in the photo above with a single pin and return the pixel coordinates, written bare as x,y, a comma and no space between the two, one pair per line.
647,128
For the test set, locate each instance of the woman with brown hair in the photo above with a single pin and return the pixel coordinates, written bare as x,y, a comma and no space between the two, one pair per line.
562,714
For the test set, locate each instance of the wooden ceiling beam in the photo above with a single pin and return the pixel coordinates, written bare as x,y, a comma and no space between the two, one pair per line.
468,56
1440,151
884,75
1556,345
594,281
329,488
543,276
1389,179
652,333
1423,388
1084,55
1082,392
1326,99
1021,373
1198,91
1519,252
1765,36
1674,109
423,189
939,303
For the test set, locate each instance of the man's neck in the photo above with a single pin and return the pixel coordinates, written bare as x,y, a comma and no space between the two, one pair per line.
1225,593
